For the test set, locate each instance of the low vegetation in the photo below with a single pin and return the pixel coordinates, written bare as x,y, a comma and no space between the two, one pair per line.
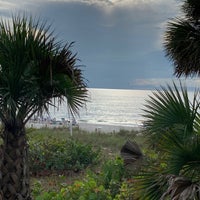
161,163
82,166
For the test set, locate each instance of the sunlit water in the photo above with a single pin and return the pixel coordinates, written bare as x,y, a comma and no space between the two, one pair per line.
109,106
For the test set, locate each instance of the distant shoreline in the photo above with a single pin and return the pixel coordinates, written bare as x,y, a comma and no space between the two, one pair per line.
85,126
105,128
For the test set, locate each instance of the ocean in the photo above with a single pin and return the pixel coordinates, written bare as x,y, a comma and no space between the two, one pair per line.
109,107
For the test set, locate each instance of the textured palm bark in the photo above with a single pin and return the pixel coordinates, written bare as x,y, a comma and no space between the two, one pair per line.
14,173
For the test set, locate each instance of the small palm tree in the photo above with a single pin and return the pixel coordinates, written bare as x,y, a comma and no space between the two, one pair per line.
170,108
34,69
173,123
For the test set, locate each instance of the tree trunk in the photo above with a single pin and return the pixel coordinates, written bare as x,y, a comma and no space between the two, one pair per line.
14,173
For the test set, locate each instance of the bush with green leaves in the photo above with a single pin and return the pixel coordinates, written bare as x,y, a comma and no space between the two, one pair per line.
109,184
112,174
54,154
39,193
86,189
126,191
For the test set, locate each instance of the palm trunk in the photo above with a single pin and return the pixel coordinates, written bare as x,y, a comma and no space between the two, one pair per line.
14,174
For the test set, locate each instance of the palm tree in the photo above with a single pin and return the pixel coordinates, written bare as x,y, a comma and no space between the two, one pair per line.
174,124
182,38
34,69
172,120
170,108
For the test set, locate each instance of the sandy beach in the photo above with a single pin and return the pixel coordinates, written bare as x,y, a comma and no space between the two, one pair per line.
89,127
105,128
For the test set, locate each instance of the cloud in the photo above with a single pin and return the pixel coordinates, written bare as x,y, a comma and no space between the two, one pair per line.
6,4
117,40
157,82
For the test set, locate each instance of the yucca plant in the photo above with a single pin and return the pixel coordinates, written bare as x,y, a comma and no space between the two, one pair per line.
172,124
34,69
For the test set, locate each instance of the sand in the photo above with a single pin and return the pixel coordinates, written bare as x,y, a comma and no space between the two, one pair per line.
89,127
105,128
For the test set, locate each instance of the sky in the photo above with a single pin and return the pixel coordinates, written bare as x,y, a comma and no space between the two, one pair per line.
119,42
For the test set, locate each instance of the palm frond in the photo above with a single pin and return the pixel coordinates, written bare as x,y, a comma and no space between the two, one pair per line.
169,107
152,184
181,188
36,68
181,43
182,154
191,9
172,121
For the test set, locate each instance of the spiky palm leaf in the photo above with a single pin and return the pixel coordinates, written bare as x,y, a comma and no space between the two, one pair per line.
181,43
168,108
192,9
182,38
181,188
152,184
179,145
34,69
182,154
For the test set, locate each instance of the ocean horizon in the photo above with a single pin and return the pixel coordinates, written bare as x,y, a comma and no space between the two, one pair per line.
117,107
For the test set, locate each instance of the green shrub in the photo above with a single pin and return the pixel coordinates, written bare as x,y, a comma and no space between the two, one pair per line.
80,155
126,192
54,154
108,184
112,175
37,189
87,189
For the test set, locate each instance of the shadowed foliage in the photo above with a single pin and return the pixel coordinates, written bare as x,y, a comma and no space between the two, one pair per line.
191,9
34,70
172,124
182,38
170,108
173,120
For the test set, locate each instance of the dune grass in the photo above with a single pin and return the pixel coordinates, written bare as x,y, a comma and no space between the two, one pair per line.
108,143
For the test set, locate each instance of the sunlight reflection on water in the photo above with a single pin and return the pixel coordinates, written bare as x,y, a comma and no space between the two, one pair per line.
110,106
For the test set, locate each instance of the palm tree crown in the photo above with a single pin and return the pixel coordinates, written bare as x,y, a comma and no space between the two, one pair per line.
34,68
182,38
173,126
172,120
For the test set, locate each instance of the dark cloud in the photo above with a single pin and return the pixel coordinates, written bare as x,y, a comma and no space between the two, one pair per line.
104,2
118,41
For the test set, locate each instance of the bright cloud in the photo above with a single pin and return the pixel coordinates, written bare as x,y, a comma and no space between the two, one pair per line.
157,82
114,38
